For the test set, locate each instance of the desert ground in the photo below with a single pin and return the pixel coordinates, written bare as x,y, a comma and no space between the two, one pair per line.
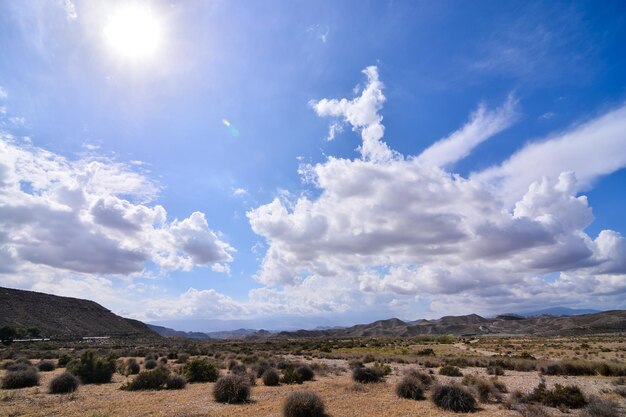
333,382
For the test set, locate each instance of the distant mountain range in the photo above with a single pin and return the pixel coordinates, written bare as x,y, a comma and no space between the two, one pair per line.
63,316
558,311
56,316
231,334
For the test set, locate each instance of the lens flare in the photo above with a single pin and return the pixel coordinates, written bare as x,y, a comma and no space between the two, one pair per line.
231,129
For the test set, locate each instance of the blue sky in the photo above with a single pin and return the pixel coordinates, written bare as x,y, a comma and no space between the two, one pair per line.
123,184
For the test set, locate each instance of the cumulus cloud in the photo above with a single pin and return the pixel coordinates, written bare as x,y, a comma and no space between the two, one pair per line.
395,229
483,124
362,113
92,216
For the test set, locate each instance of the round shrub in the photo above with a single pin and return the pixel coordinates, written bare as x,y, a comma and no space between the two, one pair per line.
450,370
150,364
63,384
175,381
290,376
182,358
453,398
303,404
261,367
306,373
20,379
46,366
425,379
64,359
200,370
410,387
231,389
18,366
601,408
271,377
91,369
132,367
561,396
367,375
238,369
148,380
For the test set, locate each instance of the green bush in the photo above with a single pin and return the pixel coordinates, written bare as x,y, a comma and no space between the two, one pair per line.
231,389
367,375
20,379
303,404
148,380
290,376
175,381
200,370
410,387
561,396
63,384
453,398
182,358
271,378
425,352
450,370
64,359
91,369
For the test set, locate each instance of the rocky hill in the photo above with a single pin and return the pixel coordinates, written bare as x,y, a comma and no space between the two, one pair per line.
56,316
474,325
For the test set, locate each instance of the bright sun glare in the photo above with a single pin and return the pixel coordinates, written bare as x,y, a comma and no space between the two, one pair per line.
133,31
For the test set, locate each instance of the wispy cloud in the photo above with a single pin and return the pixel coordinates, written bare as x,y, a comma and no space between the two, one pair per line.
483,124
591,149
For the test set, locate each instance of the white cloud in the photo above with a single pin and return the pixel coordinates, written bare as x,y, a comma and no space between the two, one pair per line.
362,114
240,192
92,216
3,93
70,9
482,125
592,149
386,229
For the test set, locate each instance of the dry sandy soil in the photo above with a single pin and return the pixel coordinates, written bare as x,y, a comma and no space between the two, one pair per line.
341,396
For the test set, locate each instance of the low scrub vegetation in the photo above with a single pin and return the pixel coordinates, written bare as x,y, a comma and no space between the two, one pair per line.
46,366
560,396
367,375
454,398
148,380
303,404
271,378
63,384
20,378
450,370
231,389
92,369
200,370
410,388
598,407
175,381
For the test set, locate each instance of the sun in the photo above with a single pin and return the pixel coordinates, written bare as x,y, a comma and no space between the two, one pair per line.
133,31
